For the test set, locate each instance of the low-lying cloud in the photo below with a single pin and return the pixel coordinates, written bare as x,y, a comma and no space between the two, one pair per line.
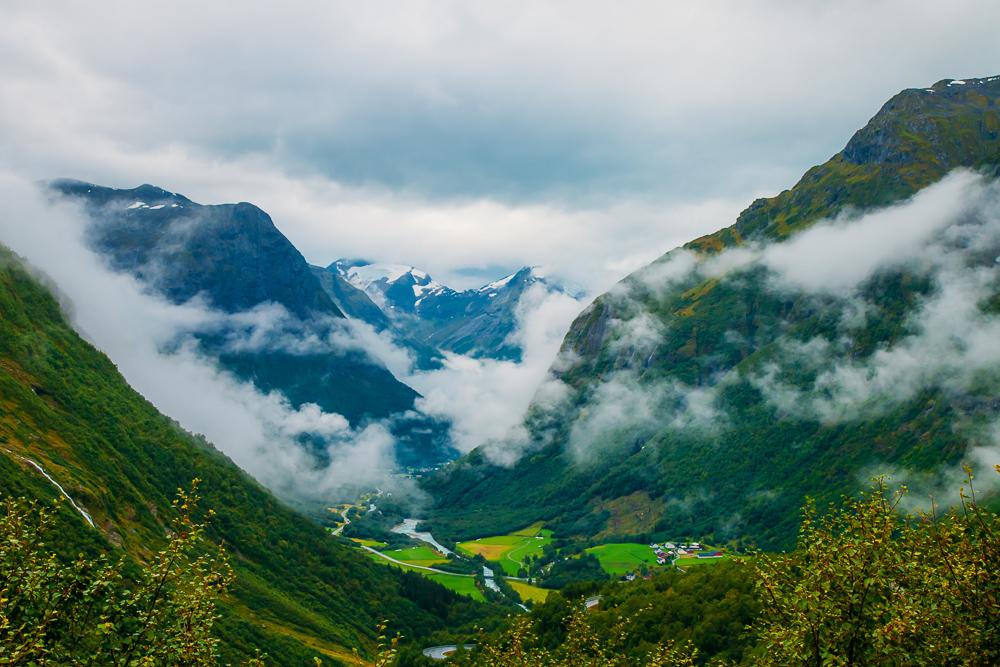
486,399
145,337
155,345
947,236
949,233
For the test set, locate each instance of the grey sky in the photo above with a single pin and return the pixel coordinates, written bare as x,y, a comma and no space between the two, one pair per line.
586,137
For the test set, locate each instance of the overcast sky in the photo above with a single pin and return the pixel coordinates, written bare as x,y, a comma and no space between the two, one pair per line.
468,138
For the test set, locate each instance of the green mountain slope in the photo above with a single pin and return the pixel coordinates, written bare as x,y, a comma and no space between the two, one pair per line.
683,359
65,408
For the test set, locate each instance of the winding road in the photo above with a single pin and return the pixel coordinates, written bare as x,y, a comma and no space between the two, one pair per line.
343,515
416,567
424,567
442,652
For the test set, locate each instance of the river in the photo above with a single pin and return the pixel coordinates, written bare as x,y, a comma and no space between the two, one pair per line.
409,528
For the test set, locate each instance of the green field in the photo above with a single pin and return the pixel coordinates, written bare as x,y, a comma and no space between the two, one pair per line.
697,562
620,558
419,555
459,584
462,585
511,550
529,592
375,544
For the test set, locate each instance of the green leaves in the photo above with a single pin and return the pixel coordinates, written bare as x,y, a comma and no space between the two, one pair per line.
870,586
86,612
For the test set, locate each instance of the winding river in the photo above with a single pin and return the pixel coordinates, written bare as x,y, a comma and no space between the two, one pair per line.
409,528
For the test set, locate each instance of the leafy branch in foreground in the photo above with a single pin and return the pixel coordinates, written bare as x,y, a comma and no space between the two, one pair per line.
89,612
868,585
583,646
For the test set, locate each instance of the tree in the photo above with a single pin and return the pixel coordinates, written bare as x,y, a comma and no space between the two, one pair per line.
583,646
869,585
98,612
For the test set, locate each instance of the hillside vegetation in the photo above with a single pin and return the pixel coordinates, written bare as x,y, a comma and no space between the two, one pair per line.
709,392
65,409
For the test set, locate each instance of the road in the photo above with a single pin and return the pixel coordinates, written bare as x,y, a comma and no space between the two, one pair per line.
424,567
442,652
343,515
417,567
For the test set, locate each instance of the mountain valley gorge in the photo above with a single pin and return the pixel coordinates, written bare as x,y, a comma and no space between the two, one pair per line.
645,508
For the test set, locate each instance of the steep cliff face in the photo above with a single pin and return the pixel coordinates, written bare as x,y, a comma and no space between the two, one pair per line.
714,389
234,259
232,254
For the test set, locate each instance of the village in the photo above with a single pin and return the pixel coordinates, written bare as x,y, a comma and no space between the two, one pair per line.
668,552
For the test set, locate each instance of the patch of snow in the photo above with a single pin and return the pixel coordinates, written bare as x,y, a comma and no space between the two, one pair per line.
138,204
497,284
420,290
157,207
363,276
956,82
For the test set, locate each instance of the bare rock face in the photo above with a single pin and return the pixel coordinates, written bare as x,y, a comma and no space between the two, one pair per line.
232,254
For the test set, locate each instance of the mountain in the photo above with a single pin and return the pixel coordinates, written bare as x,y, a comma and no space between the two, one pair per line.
355,303
234,258
709,392
70,423
473,322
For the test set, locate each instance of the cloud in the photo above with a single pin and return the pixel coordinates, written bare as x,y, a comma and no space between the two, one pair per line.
454,136
506,99
948,235
950,232
463,138
154,344
146,338
486,399
953,344
623,410
836,256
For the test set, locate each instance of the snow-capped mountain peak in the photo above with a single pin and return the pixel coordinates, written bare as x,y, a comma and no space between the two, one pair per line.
390,286
473,321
